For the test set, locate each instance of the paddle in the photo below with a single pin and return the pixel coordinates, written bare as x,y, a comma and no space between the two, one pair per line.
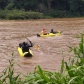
36,47
30,42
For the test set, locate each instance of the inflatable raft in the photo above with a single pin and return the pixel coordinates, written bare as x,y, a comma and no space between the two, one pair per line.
49,34
25,54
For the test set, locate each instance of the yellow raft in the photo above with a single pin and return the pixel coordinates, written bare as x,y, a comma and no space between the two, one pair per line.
49,34
25,54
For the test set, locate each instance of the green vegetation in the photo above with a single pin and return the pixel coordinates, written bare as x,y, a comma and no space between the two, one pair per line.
20,14
70,73
8,75
49,8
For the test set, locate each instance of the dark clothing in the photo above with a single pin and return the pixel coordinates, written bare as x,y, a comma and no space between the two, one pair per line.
25,46
54,32
51,31
20,45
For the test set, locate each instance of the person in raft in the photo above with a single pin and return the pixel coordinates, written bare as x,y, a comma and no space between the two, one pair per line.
25,46
54,32
43,32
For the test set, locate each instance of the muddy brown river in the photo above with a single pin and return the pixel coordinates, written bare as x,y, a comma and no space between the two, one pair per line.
50,50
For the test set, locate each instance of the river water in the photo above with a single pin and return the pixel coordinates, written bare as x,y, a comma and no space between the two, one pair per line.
51,50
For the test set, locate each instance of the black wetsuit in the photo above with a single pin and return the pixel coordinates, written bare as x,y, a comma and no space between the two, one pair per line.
54,32
25,46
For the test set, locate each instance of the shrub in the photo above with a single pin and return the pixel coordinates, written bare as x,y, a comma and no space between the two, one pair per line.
20,14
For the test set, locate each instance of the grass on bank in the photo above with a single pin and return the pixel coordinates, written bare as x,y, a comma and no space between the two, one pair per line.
72,73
